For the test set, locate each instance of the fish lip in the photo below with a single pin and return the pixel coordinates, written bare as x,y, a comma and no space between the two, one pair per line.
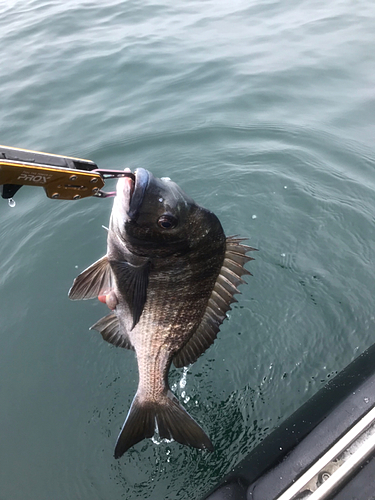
142,178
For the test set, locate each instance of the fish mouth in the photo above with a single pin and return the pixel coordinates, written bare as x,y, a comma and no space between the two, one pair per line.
136,191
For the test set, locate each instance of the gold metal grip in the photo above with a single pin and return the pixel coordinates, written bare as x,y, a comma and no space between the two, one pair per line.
59,183
63,178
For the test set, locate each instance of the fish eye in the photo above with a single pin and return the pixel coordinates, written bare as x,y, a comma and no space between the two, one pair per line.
167,221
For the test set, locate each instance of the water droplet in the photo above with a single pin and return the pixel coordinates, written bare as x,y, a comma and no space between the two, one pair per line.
253,216
366,400
283,255
285,187
161,200
165,179
183,379
11,202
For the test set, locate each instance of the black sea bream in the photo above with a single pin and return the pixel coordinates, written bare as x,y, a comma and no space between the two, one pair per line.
169,277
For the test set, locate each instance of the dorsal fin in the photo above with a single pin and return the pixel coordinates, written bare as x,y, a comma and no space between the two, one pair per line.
109,328
219,302
93,281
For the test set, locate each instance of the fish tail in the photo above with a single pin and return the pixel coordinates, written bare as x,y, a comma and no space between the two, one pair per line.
172,421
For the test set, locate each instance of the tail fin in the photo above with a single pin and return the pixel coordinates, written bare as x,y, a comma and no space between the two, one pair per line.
173,422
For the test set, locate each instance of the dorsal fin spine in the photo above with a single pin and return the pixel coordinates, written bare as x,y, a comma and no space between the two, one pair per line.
222,291
219,302
224,281
225,271
236,268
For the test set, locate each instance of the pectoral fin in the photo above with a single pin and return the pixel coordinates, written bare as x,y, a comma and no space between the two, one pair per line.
219,303
93,281
109,328
133,281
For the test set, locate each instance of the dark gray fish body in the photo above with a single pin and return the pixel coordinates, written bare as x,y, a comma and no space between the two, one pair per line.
169,275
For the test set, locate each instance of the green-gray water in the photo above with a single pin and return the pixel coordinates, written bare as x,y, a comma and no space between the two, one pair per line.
263,112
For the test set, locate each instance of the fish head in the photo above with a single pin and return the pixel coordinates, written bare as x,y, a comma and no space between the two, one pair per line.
155,216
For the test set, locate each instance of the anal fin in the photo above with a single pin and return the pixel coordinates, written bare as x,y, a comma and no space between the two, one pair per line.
109,328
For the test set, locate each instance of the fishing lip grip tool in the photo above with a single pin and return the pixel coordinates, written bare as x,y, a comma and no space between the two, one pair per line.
62,177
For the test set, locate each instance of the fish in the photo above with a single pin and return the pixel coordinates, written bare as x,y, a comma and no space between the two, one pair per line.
169,277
